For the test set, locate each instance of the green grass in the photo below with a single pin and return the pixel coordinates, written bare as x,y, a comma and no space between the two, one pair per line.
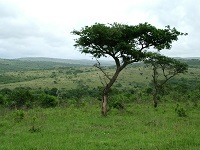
138,127
44,79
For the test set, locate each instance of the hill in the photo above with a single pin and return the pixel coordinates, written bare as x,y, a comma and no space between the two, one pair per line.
37,63
192,63
68,61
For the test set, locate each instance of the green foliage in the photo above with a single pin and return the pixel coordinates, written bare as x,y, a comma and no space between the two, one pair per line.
21,97
169,66
82,91
53,91
118,98
194,95
2,99
18,115
47,101
5,91
164,68
149,91
85,85
116,101
112,39
125,44
33,128
180,111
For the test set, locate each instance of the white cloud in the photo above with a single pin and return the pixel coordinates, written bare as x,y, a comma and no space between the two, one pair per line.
42,27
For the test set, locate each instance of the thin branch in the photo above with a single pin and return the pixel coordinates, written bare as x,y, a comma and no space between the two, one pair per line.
102,81
166,80
98,65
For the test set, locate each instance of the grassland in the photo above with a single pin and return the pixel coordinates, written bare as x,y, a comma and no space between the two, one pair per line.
137,127
67,78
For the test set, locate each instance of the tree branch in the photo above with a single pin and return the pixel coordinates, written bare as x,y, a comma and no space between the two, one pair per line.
102,81
98,65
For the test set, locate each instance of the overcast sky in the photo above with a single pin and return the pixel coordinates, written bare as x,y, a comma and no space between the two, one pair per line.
41,28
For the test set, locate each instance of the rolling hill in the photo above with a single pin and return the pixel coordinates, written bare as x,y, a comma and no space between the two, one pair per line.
37,63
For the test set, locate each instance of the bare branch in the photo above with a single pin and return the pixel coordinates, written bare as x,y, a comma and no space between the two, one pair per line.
98,65
102,81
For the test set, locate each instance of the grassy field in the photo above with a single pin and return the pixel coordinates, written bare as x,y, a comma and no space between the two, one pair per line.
43,73
138,127
80,126
62,79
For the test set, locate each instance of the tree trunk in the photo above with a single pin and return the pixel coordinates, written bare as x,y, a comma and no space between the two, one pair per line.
104,104
106,90
155,98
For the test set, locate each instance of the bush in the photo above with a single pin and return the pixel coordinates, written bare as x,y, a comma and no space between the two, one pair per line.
5,91
52,91
180,111
194,96
20,98
48,101
2,100
149,91
116,101
18,115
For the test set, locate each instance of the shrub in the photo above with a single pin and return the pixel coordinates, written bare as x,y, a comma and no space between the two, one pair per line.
149,91
194,95
47,101
2,100
6,91
116,101
18,115
180,111
20,98
33,128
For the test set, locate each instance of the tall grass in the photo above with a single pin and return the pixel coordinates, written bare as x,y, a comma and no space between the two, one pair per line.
139,126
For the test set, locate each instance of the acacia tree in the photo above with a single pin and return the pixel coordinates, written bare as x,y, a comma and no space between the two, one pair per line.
126,44
164,68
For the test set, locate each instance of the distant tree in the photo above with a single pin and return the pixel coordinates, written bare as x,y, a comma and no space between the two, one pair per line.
164,68
125,44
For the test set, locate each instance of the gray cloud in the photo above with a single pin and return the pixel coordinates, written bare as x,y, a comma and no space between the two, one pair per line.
23,35
182,14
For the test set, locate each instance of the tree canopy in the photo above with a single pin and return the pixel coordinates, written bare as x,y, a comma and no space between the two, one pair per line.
164,68
168,66
124,41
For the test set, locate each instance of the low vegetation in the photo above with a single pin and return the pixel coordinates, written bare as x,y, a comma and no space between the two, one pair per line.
139,126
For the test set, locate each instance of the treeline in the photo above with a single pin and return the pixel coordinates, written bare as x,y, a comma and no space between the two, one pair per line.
25,97
177,90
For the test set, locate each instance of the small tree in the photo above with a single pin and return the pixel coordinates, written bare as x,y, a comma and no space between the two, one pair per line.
125,44
164,68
